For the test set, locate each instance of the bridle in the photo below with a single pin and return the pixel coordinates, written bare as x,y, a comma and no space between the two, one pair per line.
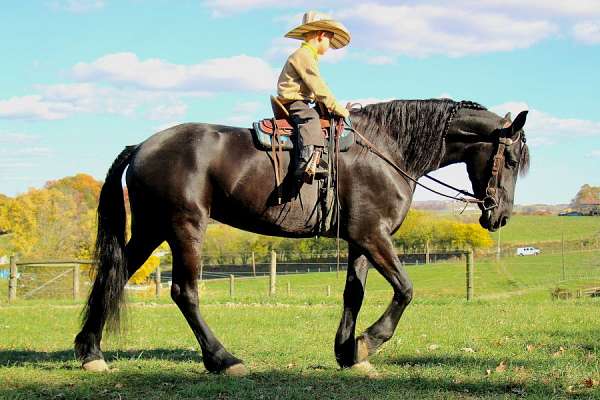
490,200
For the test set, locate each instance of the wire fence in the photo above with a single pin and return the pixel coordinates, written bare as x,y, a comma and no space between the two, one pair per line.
72,279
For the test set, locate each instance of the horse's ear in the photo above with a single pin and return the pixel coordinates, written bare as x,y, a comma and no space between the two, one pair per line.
508,116
519,122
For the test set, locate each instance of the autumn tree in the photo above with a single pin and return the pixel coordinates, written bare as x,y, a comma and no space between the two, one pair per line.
586,195
57,221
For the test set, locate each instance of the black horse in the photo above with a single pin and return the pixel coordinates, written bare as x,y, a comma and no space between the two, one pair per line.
180,177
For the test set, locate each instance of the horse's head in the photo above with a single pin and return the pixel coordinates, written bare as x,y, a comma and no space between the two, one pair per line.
495,152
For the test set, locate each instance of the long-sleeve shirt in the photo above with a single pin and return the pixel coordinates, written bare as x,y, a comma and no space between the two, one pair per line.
300,79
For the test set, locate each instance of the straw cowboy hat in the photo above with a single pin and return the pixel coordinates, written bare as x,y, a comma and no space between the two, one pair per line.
315,21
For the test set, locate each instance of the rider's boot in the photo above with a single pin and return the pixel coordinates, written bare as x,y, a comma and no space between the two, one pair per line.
309,164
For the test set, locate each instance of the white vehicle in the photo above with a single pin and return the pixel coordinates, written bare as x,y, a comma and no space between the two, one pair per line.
528,251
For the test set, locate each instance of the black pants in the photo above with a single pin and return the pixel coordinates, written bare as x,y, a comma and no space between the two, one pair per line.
306,119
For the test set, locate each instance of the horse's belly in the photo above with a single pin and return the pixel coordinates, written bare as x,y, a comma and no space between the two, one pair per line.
260,212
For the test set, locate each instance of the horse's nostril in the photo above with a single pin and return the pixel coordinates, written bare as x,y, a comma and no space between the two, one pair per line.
504,221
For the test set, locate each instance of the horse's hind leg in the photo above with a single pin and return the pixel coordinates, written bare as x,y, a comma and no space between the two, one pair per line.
186,248
346,352
87,343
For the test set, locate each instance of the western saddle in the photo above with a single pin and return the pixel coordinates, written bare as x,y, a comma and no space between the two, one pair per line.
281,125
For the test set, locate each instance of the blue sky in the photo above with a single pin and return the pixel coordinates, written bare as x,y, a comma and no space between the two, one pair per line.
83,78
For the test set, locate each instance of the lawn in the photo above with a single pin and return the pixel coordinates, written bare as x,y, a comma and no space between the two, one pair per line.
512,342
531,229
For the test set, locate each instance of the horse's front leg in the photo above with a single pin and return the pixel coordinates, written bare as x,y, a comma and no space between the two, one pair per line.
380,252
356,277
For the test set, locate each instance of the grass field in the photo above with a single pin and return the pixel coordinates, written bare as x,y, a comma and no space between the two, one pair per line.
530,229
512,342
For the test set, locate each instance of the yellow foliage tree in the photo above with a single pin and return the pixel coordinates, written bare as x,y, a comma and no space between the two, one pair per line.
141,275
55,222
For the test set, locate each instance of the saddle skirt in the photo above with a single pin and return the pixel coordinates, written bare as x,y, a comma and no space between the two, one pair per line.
263,134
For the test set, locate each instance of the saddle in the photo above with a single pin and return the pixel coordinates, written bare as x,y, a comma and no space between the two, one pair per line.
275,135
278,131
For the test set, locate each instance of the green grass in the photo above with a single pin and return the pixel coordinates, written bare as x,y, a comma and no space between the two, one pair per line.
549,350
530,229
522,344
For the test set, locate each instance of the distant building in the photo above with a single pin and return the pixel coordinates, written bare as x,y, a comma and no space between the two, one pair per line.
590,209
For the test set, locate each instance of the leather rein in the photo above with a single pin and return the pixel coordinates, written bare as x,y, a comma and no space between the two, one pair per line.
490,200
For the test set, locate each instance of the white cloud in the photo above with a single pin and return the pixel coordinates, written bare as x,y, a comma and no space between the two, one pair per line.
33,107
560,8
167,111
334,56
424,30
280,49
244,113
225,7
235,73
458,28
78,6
19,151
62,100
524,7
544,129
587,32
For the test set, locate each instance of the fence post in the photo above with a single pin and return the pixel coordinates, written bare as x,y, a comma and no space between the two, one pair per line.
75,281
253,265
273,276
427,252
562,252
470,266
12,280
231,285
157,281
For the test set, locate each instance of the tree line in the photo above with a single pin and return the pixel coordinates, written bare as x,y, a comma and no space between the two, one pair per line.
58,221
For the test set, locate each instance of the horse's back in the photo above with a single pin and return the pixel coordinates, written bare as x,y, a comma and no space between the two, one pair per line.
178,161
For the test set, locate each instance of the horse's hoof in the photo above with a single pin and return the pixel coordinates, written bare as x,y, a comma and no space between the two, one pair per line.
365,368
95,366
362,351
236,370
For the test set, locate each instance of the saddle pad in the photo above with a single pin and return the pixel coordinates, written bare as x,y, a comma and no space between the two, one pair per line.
263,138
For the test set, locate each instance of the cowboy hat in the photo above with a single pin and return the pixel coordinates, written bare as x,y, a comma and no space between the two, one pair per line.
315,21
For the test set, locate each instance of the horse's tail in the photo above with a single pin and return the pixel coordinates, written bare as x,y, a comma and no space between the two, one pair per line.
106,297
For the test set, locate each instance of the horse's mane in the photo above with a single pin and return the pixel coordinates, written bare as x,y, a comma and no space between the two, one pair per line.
413,128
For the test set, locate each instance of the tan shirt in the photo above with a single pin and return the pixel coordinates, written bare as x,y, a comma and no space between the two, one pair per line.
300,79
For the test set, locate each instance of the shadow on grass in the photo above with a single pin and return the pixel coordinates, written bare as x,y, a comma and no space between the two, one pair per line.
32,359
271,385
173,380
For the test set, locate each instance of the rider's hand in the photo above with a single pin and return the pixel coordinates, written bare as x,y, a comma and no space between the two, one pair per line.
347,121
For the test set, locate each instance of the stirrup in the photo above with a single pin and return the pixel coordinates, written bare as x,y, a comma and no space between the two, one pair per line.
314,170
